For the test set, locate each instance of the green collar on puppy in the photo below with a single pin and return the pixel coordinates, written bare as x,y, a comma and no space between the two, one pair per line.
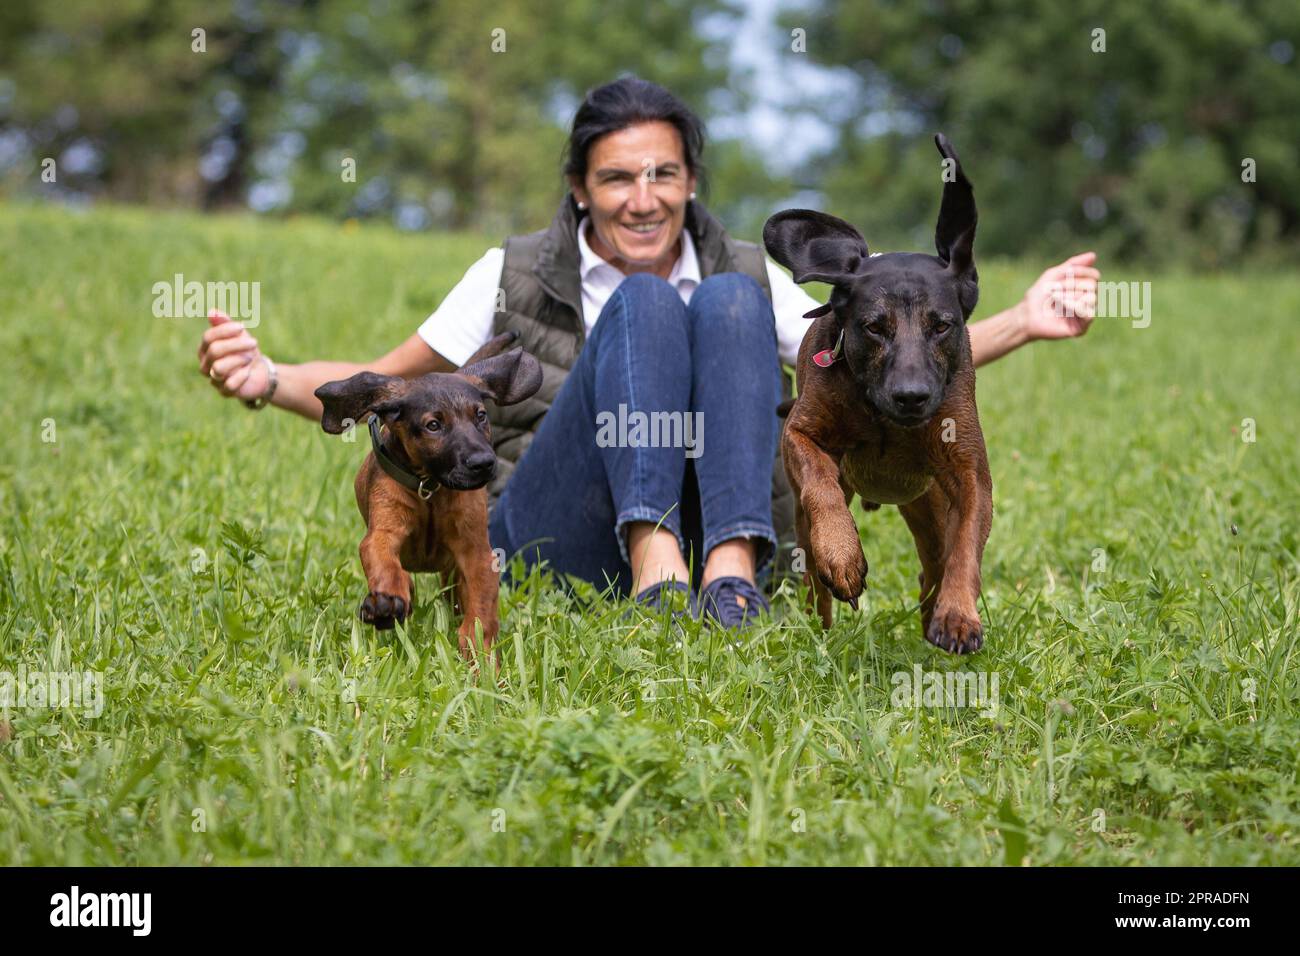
424,487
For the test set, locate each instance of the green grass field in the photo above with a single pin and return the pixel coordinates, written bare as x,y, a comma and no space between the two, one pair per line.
203,560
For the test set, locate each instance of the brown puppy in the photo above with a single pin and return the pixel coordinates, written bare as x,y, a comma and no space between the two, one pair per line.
421,489
886,408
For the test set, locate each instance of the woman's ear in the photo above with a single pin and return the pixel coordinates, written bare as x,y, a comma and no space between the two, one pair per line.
579,192
348,401
507,378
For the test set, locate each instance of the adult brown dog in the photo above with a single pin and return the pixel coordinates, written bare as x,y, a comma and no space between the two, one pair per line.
886,408
421,489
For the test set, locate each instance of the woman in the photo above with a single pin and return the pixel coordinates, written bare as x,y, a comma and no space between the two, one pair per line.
641,309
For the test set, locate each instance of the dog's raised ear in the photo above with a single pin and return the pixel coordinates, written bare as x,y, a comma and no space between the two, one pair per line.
347,401
954,235
507,378
814,246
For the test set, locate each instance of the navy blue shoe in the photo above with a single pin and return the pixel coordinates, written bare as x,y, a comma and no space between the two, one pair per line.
671,596
718,603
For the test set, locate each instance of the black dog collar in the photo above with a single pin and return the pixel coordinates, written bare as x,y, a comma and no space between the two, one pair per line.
424,487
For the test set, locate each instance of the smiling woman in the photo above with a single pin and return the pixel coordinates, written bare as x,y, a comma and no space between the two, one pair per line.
637,200
639,306
641,176
677,323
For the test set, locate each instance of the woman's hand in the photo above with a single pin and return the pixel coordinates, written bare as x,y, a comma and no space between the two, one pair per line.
1063,300
229,357
1059,305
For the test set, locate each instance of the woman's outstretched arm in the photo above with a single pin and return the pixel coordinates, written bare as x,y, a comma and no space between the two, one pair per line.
230,357
1060,304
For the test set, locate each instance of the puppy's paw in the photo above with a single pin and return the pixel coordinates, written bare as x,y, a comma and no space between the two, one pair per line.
955,632
384,610
840,565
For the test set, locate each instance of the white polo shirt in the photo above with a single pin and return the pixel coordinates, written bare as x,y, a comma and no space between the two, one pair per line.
463,322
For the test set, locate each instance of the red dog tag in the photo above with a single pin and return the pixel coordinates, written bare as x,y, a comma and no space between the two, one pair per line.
826,357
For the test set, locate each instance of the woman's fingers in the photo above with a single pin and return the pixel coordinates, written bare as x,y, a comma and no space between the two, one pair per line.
226,353
1082,309
238,343
1066,273
1082,263
1076,274
222,368
222,348
235,381
218,333
1074,287
1078,290
222,331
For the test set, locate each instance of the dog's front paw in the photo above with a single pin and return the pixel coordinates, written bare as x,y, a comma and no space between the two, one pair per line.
955,632
840,563
384,610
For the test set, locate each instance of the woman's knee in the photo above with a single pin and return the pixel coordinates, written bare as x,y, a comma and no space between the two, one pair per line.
647,283
735,303
647,303
646,292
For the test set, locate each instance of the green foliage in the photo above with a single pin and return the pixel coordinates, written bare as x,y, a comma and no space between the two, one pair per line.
203,560
1149,135
452,109
455,114
126,79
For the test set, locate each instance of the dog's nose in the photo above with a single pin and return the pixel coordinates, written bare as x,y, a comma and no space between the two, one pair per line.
910,399
480,462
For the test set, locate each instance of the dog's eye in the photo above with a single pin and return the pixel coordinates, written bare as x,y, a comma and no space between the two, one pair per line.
434,425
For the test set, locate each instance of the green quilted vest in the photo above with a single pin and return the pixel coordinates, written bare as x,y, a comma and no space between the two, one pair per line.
540,299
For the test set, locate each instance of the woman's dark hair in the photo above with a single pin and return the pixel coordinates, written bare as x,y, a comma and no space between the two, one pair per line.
625,102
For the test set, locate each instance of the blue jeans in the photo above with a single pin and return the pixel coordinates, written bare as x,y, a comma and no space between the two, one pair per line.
703,471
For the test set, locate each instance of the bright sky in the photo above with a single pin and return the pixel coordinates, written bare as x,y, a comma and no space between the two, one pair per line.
781,81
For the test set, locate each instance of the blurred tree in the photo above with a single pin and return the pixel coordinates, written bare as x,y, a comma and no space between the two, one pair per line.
1136,147
127,97
449,113
452,113
455,112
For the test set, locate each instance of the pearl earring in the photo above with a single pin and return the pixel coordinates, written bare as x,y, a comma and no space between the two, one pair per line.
581,204
692,195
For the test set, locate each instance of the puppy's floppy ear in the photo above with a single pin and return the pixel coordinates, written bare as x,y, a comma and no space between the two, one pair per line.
493,346
954,236
351,398
814,246
507,378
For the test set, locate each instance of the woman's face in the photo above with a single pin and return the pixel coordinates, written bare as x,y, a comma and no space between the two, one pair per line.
636,189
